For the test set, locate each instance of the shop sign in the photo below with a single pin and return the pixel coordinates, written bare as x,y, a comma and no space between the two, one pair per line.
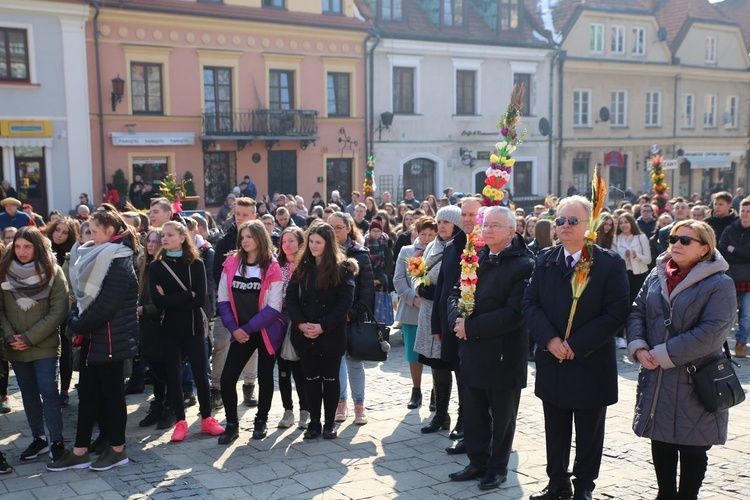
614,159
26,128
152,139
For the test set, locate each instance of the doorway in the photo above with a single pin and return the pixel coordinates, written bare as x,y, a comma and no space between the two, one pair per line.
282,172
339,177
30,178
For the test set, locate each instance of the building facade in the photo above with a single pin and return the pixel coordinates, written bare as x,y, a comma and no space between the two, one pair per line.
270,89
45,148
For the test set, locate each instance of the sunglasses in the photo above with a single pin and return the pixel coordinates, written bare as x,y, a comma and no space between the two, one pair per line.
684,240
573,221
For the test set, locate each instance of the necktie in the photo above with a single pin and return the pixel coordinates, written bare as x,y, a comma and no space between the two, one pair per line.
569,261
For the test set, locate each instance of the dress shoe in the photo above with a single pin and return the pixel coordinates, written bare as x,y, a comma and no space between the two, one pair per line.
492,480
329,430
458,448
314,429
458,430
557,493
470,472
583,495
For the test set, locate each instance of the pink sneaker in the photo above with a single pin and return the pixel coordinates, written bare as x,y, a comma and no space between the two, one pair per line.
209,425
180,431
342,412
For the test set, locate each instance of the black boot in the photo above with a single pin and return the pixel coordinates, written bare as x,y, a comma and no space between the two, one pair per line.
248,392
432,399
167,419
416,398
155,412
329,430
313,430
261,429
231,432
441,420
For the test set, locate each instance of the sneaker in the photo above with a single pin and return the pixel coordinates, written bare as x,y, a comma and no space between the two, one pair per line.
209,425
5,405
167,419
621,343
304,419
342,412
155,412
56,450
180,431
68,461
360,417
64,399
5,468
99,445
287,420
189,399
216,402
248,391
110,459
37,447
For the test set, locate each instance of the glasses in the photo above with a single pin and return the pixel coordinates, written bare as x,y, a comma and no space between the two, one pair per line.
492,227
573,221
339,228
684,240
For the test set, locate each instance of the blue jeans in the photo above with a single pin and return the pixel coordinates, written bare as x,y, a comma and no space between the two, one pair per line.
41,401
743,300
356,378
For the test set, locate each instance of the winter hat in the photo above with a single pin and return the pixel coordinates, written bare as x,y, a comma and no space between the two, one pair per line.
299,199
335,194
376,224
236,190
450,214
231,195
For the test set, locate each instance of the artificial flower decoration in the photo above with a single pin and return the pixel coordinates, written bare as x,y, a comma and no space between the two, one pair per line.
660,187
417,269
368,187
173,191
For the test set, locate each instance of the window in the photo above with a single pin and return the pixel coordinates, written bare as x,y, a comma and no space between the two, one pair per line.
419,176
219,175
687,112
525,79
281,89
581,178
391,10
279,4
581,108
453,12
146,88
332,6
466,92
709,115
338,94
217,95
403,90
653,109
618,40
710,50
508,14
639,42
14,55
522,178
730,116
619,110
596,38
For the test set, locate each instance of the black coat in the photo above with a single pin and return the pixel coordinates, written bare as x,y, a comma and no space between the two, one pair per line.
739,261
364,292
226,244
181,310
450,272
111,321
494,354
327,307
719,224
589,380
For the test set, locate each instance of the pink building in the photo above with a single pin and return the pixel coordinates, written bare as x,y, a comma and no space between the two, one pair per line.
227,90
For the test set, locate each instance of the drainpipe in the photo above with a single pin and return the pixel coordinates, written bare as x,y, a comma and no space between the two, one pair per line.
550,144
561,57
674,133
100,111
370,79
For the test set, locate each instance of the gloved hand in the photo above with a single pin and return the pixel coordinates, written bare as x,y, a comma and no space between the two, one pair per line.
426,291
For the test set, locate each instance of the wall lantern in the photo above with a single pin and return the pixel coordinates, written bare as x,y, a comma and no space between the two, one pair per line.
118,90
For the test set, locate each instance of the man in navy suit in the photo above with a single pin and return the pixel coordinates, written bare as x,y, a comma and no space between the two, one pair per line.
576,378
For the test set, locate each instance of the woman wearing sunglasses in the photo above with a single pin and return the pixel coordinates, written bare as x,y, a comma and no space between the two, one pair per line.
689,281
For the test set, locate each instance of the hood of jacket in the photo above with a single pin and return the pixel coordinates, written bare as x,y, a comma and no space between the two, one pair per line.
701,271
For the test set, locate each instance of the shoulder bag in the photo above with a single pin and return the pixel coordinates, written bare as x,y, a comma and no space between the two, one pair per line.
716,382
287,351
182,285
367,340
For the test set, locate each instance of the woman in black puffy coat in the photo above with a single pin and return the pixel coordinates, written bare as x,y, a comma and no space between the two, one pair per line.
105,320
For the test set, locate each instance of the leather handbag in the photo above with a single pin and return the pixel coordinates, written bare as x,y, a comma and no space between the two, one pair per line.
716,383
367,340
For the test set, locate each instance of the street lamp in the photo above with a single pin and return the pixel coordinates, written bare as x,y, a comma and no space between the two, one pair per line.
118,90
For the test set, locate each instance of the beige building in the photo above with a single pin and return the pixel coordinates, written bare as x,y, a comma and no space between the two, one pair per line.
646,75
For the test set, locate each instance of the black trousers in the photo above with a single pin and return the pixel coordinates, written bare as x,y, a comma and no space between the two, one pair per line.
287,370
489,426
693,463
558,427
100,391
66,360
194,347
321,384
237,357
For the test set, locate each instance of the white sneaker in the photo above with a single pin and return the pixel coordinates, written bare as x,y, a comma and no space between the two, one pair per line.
287,420
621,343
304,419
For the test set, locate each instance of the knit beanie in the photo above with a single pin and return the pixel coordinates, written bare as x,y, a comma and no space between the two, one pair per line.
376,224
450,213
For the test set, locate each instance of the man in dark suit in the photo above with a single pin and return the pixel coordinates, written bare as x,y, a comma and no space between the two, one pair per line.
577,377
492,349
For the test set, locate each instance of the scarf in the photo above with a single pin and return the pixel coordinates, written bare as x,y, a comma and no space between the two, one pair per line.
26,284
377,247
675,275
90,268
433,253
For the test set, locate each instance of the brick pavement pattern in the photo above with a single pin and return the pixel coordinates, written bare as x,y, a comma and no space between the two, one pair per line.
387,458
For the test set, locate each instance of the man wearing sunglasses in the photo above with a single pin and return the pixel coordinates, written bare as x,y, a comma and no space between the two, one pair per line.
576,378
734,245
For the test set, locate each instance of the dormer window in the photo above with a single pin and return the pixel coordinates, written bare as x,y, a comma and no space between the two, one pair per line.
710,50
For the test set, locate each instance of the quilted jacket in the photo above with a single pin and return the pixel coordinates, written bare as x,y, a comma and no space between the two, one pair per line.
703,307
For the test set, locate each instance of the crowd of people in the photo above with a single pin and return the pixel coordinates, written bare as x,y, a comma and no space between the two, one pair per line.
194,303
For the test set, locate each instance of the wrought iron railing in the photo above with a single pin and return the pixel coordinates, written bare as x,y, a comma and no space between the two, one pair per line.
267,123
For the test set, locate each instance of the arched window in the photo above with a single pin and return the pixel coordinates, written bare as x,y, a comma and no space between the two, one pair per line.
419,175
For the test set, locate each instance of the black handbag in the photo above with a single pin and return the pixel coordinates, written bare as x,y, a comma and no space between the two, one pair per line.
364,339
716,383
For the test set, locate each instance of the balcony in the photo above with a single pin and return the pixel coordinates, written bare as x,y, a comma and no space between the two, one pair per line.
262,124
